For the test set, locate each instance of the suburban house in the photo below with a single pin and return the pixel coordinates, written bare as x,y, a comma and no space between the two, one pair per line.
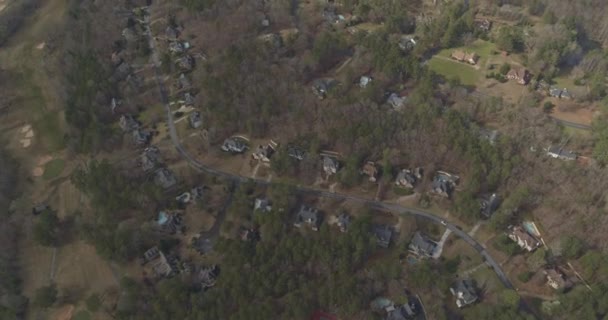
558,152
408,178
343,221
364,81
383,234
207,276
262,205
556,279
141,136
183,82
407,43
150,158
128,123
560,93
523,239
178,47
406,311
188,99
296,153
308,215
330,165
519,74
396,101
483,25
169,222
444,184
371,170
202,245
463,56
234,145
186,63
321,87
422,246
172,33
464,291
160,265
488,205
195,119
264,153
164,178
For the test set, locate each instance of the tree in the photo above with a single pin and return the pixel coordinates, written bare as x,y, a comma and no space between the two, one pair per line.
504,69
572,247
327,47
510,39
549,17
45,296
93,302
510,298
46,230
548,106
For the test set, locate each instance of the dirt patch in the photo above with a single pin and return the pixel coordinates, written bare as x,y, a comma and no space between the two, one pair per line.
564,111
26,136
41,45
38,170
63,313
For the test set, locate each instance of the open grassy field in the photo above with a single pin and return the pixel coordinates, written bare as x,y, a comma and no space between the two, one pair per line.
452,69
482,48
53,168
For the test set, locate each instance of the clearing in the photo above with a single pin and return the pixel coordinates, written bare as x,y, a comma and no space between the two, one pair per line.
454,69
53,168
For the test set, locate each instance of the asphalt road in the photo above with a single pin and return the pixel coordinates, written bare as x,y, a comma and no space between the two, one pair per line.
302,189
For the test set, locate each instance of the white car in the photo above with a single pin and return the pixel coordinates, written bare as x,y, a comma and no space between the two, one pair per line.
444,223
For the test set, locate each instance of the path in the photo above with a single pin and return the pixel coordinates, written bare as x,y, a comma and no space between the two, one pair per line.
384,206
439,249
467,273
475,228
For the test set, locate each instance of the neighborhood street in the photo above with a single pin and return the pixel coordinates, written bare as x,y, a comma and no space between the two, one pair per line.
308,190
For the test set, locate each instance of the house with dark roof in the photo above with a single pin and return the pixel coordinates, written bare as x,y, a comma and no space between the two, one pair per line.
488,205
523,239
330,165
422,246
395,101
444,184
128,123
556,279
407,178
519,74
161,265
234,145
178,47
383,235
169,222
164,178
465,292
141,136
150,158
407,43
265,152
558,152
406,311
309,216
207,276
188,99
195,119
321,87
186,62
172,33
483,25
201,244
343,221
296,153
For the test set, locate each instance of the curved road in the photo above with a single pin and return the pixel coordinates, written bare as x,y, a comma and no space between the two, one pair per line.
320,193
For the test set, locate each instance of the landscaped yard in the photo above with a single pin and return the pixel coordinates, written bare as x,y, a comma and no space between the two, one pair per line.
452,69
53,168
480,47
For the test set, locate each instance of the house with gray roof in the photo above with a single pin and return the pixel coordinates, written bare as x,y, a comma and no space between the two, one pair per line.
308,216
265,152
407,178
150,158
186,63
343,221
395,101
234,145
321,87
444,184
207,276
465,292
406,311
188,99
488,205
122,71
129,34
364,81
169,222
422,246
296,153
330,165
172,33
141,136
558,152
160,265
383,235
201,244
165,178
195,119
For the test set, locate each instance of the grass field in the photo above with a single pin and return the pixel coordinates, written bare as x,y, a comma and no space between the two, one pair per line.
82,315
480,47
452,69
53,168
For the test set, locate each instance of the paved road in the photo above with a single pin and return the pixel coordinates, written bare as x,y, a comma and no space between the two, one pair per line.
302,189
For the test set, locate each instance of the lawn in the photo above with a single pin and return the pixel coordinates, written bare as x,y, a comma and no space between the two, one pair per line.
480,47
53,168
451,69
82,315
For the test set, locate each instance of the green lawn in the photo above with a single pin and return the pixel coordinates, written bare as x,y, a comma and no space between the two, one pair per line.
451,69
82,315
480,47
53,168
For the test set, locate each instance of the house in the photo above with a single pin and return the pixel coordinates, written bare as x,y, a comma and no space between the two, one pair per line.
169,222
183,82
207,276
489,135
519,74
195,119
483,25
264,153
566,94
406,311
407,43
344,221
422,246
202,245
234,145
383,234
555,92
464,56
330,165
172,33
296,153
364,81
444,184
262,205
321,87
408,178
371,170
150,255
464,291
308,215
523,239
556,279
40,208
186,63
128,123
141,136
558,152
150,158
159,263
178,47
188,99
330,15
396,101
164,178
488,205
